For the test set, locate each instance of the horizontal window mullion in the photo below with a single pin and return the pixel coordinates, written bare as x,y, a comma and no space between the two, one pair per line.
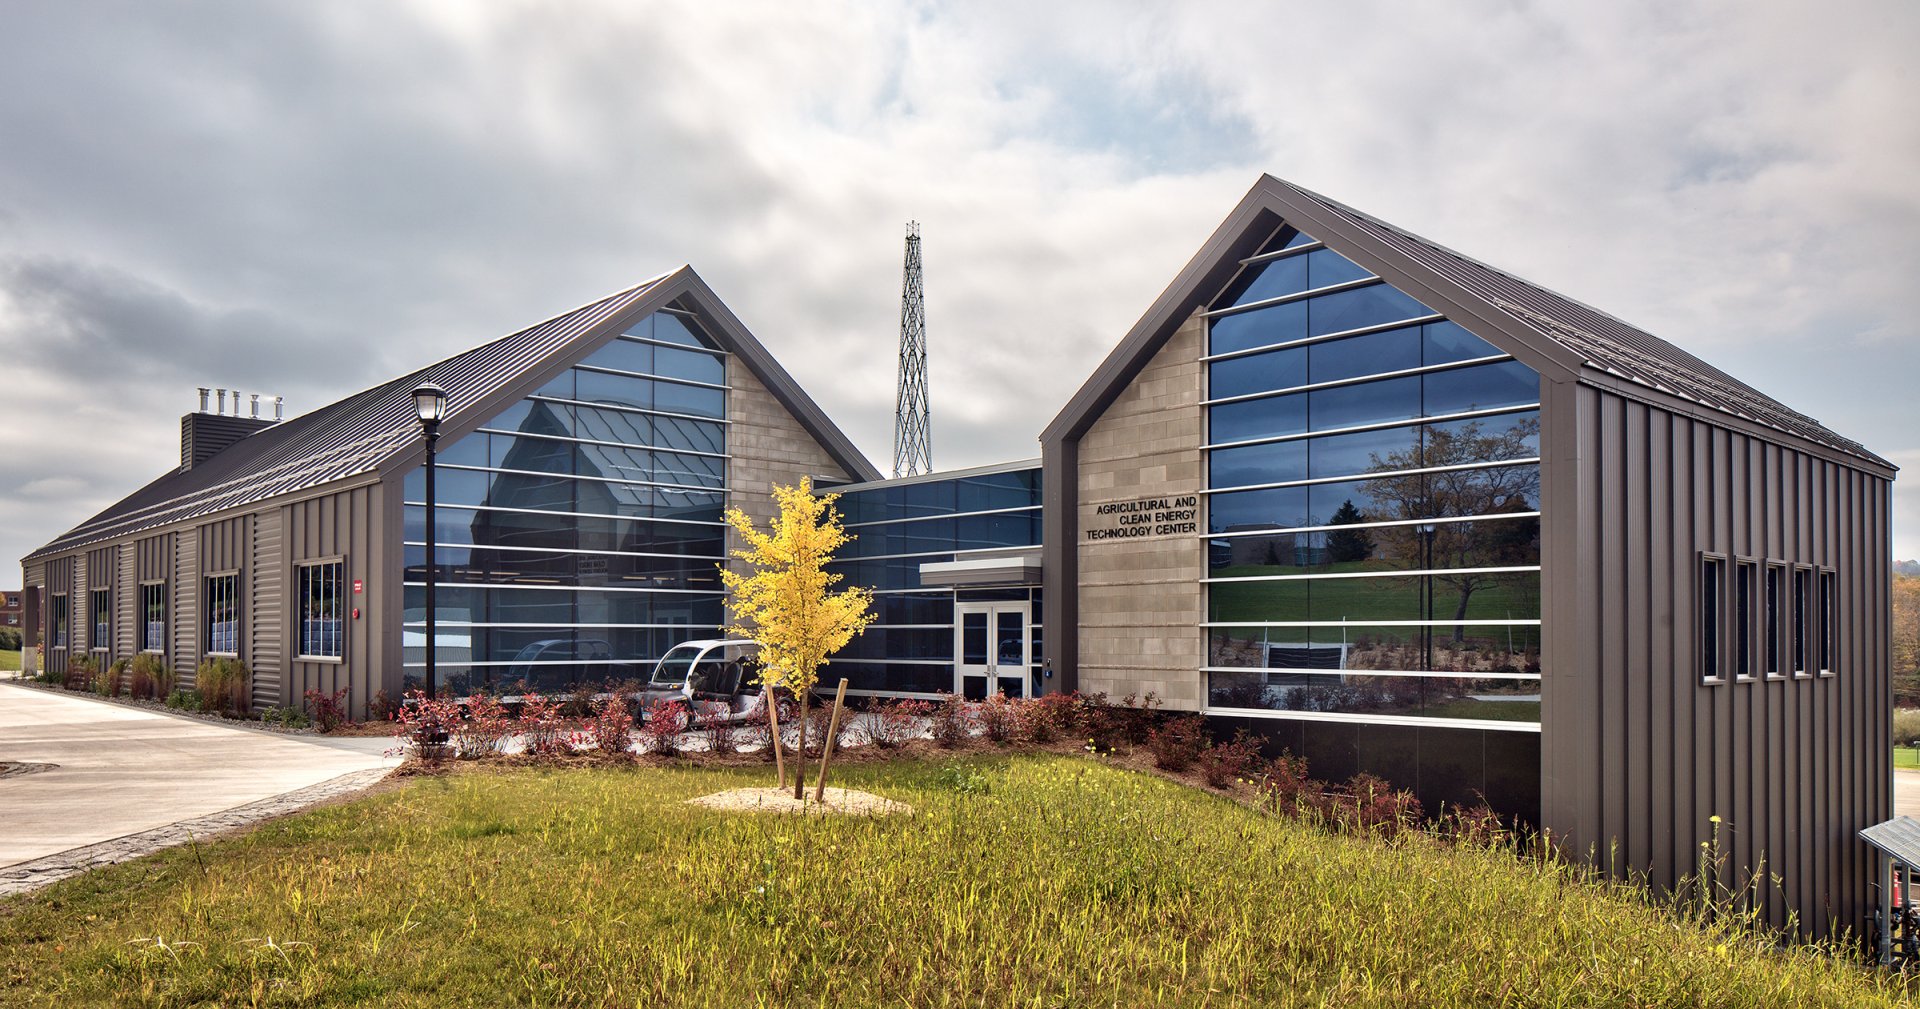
1421,573
1487,724
1385,474
630,338
609,444
1384,425
509,663
581,476
623,408
570,551
522,587
1428,673
653,377
943,515
855,558
1378,327
1289,253
1496,517
482,624
1463,622
1253,306
584,515
1337,383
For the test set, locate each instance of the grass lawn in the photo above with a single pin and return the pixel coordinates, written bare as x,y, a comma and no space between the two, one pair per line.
9,660
1022,881
1906,756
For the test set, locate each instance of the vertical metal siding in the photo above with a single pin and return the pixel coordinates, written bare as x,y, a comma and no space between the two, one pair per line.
186,605
347,525
1632,497
266,568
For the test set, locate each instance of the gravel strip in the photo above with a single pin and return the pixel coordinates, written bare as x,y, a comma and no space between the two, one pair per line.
31,875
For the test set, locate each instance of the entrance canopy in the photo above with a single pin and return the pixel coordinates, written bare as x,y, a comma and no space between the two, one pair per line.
1013,567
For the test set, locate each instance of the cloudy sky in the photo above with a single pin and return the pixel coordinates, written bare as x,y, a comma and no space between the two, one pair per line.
303,199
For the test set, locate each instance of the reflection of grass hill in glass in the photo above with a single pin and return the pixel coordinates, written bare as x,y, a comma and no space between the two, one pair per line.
1504,597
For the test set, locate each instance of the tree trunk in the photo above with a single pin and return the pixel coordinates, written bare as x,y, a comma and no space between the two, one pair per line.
1460,613
800,753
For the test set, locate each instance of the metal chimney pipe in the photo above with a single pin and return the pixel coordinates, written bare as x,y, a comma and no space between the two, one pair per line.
253,403
276,408
204,393
221,399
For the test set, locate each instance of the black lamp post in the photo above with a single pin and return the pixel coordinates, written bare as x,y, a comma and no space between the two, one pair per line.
430,401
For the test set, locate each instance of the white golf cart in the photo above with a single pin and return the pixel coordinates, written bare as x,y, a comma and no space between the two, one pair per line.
710,677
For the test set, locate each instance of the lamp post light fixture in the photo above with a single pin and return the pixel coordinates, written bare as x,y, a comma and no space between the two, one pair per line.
430,402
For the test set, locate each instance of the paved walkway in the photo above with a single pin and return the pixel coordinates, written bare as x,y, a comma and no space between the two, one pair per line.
119,770
1906,792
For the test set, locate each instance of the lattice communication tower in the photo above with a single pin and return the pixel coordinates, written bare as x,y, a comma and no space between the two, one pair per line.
912,421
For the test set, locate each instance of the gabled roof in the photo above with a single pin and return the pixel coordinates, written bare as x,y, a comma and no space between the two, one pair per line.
1556,335
376,432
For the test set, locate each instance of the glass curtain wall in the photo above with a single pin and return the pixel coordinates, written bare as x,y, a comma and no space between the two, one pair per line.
899,526
578,532
1374,503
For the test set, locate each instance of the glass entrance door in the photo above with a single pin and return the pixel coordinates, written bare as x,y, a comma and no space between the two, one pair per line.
992,648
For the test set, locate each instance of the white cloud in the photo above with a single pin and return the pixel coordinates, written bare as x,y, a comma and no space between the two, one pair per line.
310,199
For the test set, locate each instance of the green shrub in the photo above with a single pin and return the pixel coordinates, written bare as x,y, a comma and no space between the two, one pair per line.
185,699
290,717
114,680
9,640
1906,726
80,672
224,684
150,678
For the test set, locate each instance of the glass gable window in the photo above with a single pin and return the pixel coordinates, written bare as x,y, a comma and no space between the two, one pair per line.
1373,504
223,615
578,532
322,627
153,617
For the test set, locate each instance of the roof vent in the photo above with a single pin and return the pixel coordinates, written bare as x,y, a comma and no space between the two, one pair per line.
204,434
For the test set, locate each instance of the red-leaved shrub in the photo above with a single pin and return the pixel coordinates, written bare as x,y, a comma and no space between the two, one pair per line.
1178,742
329,710
1371,805
485,730
1285,788
611,727
1225,763
714,722
1000,717
890,723
539,726
662,727
1047,717
953,720
428,723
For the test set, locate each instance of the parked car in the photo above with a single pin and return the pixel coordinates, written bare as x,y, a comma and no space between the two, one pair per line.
711,677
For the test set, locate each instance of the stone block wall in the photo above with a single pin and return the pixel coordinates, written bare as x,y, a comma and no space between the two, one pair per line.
1141,599
767,446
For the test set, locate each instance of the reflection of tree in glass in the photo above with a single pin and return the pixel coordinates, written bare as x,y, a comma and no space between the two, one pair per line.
1461,493
1346,545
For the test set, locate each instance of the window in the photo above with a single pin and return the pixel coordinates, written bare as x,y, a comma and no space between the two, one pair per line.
1743,579
153,617
58,619
1712,579
101,615
223,615
322,633
1829,622
1776,609
1802,616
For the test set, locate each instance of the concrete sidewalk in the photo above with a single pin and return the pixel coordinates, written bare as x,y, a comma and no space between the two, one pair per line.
120,770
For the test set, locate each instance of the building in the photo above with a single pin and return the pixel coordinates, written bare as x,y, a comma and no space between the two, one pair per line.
13,609
1395,509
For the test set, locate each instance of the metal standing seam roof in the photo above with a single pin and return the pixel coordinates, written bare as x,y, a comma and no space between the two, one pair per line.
356,435
1899,838
1603,342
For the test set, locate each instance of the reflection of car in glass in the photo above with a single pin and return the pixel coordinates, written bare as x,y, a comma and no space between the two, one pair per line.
711,677
596,657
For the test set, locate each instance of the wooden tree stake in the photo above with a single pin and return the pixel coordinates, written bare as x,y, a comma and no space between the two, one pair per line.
773,719
833,733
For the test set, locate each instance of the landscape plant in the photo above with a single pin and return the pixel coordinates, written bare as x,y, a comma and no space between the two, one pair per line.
611,727
329,710
538,725
429,723
484,730
150,677
1224,765
81,669
999,718
787,604
225,685
1176,743
953,720
661,729
891,722
721,733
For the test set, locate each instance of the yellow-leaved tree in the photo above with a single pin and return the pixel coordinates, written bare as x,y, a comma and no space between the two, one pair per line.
787,605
